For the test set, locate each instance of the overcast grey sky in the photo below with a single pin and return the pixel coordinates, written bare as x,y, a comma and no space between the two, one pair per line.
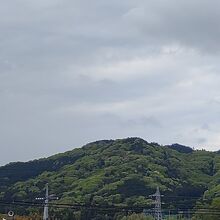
75,71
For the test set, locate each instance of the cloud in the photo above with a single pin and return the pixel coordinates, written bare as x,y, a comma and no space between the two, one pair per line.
76,71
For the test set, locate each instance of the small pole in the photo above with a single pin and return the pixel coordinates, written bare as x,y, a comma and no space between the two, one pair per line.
46,201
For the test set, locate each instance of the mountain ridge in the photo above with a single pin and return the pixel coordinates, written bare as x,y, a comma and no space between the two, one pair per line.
123,171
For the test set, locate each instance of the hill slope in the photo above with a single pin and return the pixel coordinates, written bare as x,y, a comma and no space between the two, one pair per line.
124,171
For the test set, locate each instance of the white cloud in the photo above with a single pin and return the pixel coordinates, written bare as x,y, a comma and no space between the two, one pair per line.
74,71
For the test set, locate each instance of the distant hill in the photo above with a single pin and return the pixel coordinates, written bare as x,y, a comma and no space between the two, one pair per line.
118,172
181,148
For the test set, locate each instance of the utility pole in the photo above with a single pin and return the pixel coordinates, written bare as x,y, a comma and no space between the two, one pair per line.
46,199
157,209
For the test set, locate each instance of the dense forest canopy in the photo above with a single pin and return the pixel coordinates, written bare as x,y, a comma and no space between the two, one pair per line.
119,172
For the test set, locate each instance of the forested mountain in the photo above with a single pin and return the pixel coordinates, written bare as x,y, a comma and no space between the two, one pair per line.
119,172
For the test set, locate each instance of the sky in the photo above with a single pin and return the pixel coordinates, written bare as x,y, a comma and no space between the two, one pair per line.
76,71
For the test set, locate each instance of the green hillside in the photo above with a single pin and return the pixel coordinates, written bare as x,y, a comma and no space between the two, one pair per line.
119,172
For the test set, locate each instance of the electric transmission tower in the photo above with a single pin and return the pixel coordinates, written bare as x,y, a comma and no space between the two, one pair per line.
46,199
157,209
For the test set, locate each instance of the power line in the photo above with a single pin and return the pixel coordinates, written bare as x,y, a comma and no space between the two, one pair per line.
21,202
117,209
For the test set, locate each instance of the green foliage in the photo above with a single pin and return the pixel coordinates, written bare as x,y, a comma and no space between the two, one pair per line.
120,172
137,217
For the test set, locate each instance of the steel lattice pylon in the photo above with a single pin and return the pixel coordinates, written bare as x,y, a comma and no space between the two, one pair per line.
157,209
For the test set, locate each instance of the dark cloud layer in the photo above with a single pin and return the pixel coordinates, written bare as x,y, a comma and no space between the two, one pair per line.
76,71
